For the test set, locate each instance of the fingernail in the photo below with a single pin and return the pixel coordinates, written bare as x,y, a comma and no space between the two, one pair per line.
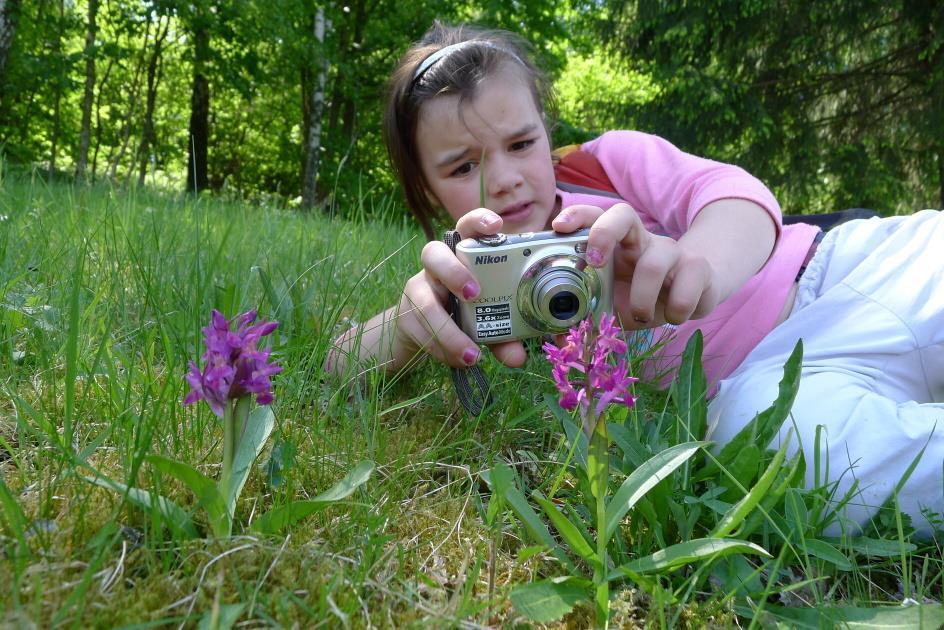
564,216
470,356
470,290
490,219
595,257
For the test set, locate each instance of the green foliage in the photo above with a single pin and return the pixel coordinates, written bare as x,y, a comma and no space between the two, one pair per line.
833,104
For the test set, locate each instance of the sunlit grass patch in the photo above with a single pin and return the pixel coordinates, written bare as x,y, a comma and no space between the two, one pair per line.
105,292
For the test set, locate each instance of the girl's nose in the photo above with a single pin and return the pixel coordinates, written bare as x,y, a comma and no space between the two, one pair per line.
502,177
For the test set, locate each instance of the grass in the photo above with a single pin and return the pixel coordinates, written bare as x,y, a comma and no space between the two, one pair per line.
104,295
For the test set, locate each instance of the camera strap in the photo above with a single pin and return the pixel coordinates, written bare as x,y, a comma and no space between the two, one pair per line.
470,383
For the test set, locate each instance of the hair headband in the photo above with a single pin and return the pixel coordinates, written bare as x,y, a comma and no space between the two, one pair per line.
445,51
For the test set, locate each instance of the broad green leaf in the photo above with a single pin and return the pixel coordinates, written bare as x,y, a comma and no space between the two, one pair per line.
761,430
258,428
276,519
176,518
221,617
681,554
742,508
502,480
898,617
873,547
568,531
824,551
208,494
547,600
689,389
643,479
633,452
745,468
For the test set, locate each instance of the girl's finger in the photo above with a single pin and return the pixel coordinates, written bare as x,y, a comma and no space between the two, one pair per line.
479,222
649,277
426,321
618,225
573,218
510,353
442,266
691,294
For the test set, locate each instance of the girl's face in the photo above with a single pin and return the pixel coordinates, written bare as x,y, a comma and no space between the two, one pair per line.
502,122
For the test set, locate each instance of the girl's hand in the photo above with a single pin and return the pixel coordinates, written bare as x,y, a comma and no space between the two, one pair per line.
657,279
423,322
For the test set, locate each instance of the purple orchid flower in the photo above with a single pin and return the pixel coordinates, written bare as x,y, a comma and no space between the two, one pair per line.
234,366
599,382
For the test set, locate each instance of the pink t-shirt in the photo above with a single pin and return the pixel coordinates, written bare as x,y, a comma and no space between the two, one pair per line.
668,187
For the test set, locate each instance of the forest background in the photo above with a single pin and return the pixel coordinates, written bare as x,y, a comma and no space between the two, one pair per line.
832,104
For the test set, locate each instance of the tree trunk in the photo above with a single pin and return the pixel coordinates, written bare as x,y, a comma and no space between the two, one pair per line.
148,138
9,15
98,117
88,100
313,147
197,179
57,96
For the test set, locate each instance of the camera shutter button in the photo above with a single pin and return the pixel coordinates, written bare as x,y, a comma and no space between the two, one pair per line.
493,240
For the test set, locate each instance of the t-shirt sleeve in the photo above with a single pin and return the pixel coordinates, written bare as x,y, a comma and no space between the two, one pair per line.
670,186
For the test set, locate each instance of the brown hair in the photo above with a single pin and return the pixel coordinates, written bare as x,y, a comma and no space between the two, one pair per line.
457,72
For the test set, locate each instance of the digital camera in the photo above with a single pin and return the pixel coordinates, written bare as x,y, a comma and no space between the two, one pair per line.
531,284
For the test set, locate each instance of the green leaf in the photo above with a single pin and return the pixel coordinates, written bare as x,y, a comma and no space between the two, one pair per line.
761,430
689,389
258,428
176,518
899,617
742,508
502,481
874,547
643,479
208,494
681,554
745,468
568,531
221,617
276,519
547,600
824,551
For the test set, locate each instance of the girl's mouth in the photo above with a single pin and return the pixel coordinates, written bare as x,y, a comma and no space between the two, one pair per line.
517,213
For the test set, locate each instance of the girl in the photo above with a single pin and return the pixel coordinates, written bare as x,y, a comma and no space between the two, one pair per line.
695,245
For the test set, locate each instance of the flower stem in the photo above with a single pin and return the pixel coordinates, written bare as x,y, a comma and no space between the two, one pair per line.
598,468
229,447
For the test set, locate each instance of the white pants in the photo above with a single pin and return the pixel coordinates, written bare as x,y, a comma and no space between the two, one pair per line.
870,311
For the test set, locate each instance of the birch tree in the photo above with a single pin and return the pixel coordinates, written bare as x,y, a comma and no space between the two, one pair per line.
315,110
89,94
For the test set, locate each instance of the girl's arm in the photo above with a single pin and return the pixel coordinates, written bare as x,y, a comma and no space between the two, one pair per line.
419,324
736,238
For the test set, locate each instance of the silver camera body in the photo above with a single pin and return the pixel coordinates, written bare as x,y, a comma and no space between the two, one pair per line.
531,284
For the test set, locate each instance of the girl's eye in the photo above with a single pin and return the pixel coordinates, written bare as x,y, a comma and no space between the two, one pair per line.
463,169
521,145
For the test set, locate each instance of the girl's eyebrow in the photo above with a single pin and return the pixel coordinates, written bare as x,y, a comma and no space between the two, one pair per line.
449,158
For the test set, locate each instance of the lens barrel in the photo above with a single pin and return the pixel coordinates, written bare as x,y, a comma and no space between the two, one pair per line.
558,292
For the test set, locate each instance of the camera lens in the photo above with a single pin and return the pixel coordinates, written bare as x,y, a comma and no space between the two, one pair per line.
556,292
564,305
560,298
